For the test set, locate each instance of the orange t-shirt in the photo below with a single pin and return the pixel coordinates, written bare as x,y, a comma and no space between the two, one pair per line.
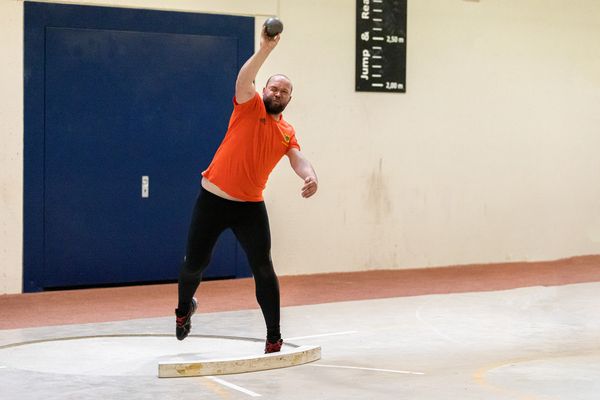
253,145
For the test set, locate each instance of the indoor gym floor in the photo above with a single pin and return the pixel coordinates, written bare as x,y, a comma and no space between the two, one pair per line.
503,331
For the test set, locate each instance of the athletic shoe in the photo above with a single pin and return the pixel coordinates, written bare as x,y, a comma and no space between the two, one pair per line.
273,347
183,325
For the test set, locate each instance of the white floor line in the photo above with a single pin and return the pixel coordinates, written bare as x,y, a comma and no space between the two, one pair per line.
368,369
3,366
322,335
433,328
234,387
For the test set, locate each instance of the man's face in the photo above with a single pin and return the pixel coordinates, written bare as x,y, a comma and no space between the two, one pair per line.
277,94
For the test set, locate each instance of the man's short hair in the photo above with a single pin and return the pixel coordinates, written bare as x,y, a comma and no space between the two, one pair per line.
283,76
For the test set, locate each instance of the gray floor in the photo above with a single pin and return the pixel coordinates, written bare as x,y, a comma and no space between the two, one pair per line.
532,343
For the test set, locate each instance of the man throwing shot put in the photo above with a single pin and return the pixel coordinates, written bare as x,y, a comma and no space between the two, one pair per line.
232,191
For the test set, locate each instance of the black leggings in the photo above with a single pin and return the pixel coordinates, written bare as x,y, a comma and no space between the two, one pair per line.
250,224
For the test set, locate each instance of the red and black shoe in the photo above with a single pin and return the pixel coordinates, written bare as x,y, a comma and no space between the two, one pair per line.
183,325
273,347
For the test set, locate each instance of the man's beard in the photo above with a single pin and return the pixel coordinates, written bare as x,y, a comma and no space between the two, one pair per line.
272,107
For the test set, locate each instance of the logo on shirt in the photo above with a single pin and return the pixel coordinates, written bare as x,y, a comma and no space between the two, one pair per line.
263,120
286,139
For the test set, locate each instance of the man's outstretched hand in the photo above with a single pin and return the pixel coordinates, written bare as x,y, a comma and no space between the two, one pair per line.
310,186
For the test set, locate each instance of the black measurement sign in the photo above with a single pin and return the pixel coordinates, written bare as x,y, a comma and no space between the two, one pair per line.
381,46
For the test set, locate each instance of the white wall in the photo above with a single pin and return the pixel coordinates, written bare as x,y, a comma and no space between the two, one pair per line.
11,146
490,156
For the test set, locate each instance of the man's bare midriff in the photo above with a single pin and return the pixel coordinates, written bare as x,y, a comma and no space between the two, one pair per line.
214,189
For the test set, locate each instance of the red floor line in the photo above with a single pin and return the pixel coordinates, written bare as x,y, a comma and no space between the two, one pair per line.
123,303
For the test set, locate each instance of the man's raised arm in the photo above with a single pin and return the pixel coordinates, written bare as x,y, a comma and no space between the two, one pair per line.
244,85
